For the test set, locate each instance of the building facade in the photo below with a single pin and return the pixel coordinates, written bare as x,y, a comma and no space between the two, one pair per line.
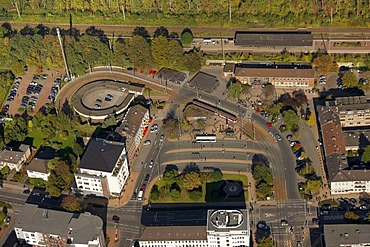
133,128
225,228
43,227
279,75
14,157
103,169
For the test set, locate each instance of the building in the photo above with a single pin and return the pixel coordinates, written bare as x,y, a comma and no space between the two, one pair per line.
279,75
103,170
228,70
224,228
336,141
38,167
348,235
274,39
44,227
133,128
353,111
355,139
14,157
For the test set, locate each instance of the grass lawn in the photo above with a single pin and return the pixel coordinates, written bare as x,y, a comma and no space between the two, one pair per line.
210,193
4,204
36,182
37,136
333,203
153,93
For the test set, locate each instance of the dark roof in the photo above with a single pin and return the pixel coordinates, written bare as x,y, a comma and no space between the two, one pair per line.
101,155
173,233
229,68
346,234
38,165
134,119
264,39
352,175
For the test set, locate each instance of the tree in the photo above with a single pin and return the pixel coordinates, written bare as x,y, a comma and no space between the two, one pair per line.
300,97
175,194
154,193
262,174
161,31
77,149
349,79
191,180
71,203
291,120
195,195
160,51
352,216
170,176
171,128
235,90
264,191
276,108
314,185
325,64
140,31
217,175
193,61
366,155
4,172
18,68
175,54
139,52
311,120
265,242
186,38
268,95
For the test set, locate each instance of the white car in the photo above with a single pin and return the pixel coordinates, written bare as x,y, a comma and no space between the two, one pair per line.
151,163
147,142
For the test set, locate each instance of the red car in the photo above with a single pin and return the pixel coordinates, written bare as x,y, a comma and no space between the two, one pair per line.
143,187
269,125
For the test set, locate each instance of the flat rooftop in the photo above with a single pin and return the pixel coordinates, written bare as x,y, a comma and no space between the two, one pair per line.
226,220
270,39
346,235
174,233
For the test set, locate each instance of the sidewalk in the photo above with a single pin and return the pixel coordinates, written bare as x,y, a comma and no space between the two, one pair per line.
127,191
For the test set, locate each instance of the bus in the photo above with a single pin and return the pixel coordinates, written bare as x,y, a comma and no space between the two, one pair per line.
205,138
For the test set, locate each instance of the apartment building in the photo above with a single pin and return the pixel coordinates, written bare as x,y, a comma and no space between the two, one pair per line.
336,140
133,128
225,228
353,111
44,227
103,170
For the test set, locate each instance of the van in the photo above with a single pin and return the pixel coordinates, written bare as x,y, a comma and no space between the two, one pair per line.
140,195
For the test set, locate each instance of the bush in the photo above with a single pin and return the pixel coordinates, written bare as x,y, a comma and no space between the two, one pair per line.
196,195
186,38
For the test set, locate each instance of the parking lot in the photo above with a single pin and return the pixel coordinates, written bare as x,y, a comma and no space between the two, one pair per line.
31,92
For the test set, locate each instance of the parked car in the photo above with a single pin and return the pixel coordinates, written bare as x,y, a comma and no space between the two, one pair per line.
278,137
151,163
161,138
147,176
147,142
262,225
284,222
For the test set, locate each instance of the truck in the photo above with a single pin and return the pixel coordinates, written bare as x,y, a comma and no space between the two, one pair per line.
140,195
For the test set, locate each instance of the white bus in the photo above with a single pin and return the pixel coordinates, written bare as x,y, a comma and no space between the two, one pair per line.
205,138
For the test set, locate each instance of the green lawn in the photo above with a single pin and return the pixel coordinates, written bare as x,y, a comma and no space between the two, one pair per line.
4,204
210,193
37,136
58,141
153,93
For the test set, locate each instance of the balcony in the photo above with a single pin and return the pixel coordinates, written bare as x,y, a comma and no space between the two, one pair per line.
118,166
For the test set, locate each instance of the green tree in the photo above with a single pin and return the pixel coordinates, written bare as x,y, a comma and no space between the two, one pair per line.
71,203
139,52
154,193
170,176
191,180
366,155
314,185
175,194
77,149
4,172
186,38
291,120
264,191
276,108
262,174
171,128
265,242
235,90
193,61
160,51
175,55
349,79
352,216
195,195
325,64
18,68
217,175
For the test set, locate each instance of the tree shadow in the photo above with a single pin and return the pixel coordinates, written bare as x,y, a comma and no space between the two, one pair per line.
171,167
66,109
192,167
259,159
